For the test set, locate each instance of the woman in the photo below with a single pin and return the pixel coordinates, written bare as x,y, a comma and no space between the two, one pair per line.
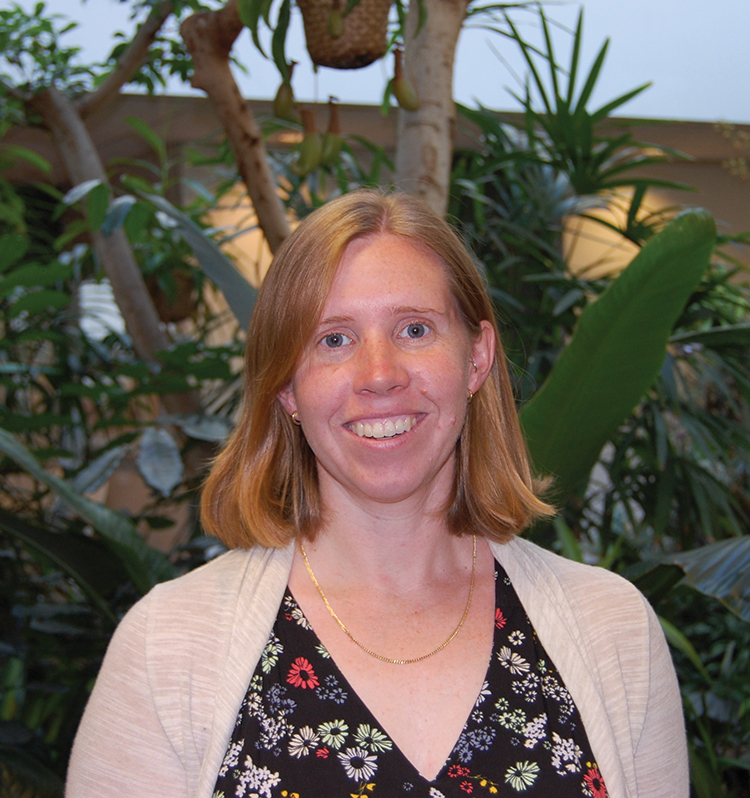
377,628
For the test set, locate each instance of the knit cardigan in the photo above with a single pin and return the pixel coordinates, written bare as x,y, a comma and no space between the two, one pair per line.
165,703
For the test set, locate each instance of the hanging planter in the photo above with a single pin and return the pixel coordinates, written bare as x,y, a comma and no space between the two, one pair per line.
344,40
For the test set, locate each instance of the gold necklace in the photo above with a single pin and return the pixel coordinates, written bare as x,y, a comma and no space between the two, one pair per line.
369,651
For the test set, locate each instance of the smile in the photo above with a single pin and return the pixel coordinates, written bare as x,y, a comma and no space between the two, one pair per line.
383,429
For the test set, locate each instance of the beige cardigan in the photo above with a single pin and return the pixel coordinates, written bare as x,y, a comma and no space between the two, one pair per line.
166,699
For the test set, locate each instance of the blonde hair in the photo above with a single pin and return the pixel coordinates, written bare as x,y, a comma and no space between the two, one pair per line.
263,488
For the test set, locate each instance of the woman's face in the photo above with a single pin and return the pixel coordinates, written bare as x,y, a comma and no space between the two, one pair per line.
382,388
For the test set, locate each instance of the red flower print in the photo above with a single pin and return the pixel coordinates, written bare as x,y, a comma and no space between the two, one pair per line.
322,753
500,619
454,771
594,781
467,786
301,674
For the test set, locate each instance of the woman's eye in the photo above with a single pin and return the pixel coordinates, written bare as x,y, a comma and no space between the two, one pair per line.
415,331
335,340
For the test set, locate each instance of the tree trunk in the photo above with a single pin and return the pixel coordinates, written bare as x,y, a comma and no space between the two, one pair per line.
82,163
209,37
425,136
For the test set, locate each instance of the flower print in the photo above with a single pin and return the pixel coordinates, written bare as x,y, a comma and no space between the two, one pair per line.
515,663
301,674
500,619
407,786
218,794
516,638
258,781
232,757
528,687
454,771
566,755
436,793
272,732
541,666
467,787
535,730
256,684
270,655
593,784
331,691
522,775
323,651
322,753
551,688
502,704
333,733
295,613
515,720
483,693
372,738
477,716
303,742
477,740
278,701
358,763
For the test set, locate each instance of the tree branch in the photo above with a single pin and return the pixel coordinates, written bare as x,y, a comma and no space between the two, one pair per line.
113,252
425,136
209,37
129,62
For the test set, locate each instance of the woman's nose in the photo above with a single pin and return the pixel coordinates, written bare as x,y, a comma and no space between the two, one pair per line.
380,367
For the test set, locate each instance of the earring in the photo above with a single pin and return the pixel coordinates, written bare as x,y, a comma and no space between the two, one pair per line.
295,419
476,368
471,396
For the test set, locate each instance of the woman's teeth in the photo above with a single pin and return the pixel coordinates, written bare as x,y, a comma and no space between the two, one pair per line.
383,429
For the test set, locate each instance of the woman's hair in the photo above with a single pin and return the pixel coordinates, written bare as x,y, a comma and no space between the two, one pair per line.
263,488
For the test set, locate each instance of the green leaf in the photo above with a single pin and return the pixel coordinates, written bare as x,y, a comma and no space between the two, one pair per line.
159,460
97,203
12,249
15,152
157,143
730,335
678,640
80,191
278,40
616,352
568,544
145,565
117,213
38,301
238,292
79,557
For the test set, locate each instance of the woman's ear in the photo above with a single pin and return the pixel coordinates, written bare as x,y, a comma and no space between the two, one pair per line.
482,356
287,399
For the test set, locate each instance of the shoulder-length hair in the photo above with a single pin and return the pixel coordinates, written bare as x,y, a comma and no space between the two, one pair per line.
263,488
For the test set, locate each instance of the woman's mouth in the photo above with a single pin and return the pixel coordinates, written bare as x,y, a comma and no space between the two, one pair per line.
387,428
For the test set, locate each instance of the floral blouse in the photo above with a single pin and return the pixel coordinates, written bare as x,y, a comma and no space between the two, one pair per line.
302,732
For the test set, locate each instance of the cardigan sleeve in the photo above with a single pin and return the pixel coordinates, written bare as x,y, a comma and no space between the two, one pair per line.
661,758
122,747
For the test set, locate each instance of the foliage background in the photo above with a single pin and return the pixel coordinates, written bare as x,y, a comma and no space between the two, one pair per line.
665,502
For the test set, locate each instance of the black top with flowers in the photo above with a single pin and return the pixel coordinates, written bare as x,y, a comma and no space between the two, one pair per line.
302,732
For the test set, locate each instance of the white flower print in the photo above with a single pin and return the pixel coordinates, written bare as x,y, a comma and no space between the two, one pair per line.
535,730
522,775
483,693
515,663
256,685
436,793
303,742
323,651
566,755
477,716
516,638
270,655
333,733
232,757
372,738
514,720
358,763
259,780
296,613
527,687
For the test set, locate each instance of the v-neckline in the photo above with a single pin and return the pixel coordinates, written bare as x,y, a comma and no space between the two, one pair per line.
370,715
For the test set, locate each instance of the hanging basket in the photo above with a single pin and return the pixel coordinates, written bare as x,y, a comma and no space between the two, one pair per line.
363,37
